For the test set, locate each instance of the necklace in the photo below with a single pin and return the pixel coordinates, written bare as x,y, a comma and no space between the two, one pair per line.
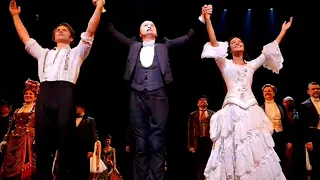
27,106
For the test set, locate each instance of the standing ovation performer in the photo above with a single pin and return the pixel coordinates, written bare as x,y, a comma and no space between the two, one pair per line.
148,71
58,71
241,131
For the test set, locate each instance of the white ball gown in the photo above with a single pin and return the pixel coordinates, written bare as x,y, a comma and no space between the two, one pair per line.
241,131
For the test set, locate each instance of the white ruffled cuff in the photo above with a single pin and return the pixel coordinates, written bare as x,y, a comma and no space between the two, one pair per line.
86,38
274,61
220,51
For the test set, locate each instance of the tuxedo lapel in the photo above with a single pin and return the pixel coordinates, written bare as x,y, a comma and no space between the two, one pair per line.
160,50
311,106
133,55
263,106
196,123
196,116
81,122
281,111
210,113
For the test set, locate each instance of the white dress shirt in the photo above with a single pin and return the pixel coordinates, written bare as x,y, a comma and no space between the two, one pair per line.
316,104
147,53
60,65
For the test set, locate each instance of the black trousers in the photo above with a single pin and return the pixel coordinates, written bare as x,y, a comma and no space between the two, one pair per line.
148,117
202,155
280,143
54,116
314,155
81,166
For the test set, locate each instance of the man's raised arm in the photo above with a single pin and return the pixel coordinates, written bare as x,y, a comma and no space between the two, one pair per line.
32,47
181,40
85,44
22,31
95,19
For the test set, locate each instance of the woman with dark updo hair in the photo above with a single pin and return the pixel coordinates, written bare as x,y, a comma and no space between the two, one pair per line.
241,131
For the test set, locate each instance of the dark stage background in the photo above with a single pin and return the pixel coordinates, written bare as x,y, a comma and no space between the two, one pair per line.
101,87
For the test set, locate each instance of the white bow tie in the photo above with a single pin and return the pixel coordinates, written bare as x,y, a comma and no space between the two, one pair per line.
149,43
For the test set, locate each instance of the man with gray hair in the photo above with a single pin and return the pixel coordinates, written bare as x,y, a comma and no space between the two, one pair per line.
310,116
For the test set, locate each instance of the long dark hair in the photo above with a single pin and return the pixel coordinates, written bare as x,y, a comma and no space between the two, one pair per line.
245,54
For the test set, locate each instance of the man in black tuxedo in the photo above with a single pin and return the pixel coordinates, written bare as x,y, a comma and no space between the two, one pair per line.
85,138
83,142
130,145
148,71
309,115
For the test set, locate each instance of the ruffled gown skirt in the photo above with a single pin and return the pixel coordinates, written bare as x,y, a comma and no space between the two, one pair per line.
243,146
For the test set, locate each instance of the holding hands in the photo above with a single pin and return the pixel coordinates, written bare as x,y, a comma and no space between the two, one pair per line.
99,4
206,11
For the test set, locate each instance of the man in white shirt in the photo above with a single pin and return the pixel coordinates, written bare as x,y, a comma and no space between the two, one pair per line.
58,71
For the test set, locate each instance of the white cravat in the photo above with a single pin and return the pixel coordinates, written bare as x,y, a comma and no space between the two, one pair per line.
316,104
272,109
147,53
274,115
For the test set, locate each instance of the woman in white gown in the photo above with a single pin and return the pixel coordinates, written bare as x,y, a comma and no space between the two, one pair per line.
241,131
